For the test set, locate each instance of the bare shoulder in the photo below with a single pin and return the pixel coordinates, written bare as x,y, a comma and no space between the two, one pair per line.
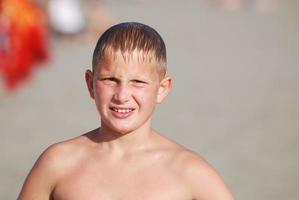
51,165
61,154
64,154
200,177
197,175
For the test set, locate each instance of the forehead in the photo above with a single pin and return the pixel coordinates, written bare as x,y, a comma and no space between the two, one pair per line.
135,62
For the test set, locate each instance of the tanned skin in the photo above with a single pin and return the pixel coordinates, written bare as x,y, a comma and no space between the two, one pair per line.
124,159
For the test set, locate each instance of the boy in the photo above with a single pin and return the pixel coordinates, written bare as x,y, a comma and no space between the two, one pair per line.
124,159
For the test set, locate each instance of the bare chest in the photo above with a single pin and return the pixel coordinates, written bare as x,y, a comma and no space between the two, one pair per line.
121,183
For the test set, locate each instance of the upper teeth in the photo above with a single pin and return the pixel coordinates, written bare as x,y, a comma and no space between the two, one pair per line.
122,110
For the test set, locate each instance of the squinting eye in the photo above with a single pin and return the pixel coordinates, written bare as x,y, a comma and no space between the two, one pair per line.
139,83
109,80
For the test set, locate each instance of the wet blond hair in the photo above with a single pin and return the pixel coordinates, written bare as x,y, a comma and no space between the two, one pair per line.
128,37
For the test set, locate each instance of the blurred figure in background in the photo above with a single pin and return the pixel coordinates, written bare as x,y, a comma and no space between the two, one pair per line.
66,16
24,26
259,5
23,40
85,19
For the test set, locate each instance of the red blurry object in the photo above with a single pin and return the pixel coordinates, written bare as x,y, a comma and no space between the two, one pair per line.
23,40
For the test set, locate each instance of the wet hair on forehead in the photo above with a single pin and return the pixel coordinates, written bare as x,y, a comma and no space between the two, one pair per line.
128,37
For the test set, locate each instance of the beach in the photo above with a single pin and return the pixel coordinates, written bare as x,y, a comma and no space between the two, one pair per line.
235,98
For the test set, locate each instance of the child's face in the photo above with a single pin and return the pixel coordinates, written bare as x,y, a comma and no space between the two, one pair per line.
127,91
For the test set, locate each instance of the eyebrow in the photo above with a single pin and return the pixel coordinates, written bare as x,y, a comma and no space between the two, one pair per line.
139,78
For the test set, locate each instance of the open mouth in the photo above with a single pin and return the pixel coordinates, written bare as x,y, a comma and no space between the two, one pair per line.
122,110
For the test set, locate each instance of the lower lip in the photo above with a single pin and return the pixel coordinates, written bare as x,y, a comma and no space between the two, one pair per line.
121,115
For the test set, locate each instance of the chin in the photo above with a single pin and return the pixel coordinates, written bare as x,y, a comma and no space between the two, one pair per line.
121,130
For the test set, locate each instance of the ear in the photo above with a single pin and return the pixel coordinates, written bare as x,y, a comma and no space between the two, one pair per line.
89,82
164,89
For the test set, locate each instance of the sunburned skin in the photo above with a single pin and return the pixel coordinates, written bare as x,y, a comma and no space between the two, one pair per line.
103,172
124,159
84,168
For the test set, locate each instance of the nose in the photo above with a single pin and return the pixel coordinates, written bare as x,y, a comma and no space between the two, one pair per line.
122,93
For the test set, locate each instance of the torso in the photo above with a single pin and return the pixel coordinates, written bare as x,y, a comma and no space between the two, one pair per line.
95,175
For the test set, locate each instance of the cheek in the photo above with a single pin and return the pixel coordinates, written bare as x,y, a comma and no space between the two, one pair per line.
146,95
102,92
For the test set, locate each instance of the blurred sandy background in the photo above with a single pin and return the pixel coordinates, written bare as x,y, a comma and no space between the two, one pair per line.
235,98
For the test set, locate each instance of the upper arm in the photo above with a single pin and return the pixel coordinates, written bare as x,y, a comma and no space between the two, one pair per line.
41,180
204,182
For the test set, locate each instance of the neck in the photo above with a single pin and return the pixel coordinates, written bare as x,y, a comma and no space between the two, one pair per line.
125,142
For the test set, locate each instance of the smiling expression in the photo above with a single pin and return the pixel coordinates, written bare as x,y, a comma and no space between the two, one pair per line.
126,91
